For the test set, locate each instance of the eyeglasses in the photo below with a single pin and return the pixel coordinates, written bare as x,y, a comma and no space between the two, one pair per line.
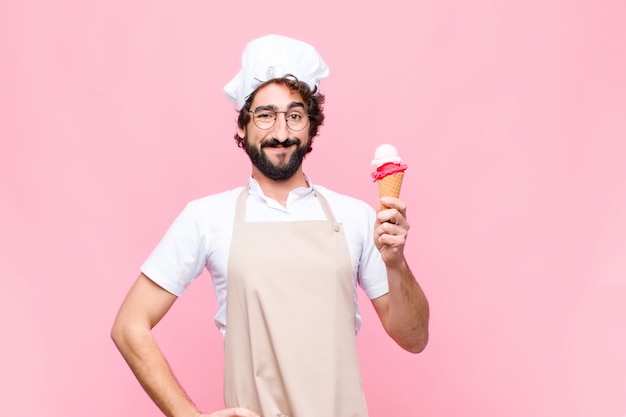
265,118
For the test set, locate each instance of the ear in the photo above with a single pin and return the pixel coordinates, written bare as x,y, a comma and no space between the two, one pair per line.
241,132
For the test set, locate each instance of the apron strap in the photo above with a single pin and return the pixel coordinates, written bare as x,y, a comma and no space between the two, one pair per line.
240,208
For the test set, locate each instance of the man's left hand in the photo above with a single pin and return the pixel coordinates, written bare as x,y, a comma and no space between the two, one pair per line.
391,230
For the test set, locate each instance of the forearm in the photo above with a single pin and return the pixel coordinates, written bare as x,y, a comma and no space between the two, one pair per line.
408,311
151,369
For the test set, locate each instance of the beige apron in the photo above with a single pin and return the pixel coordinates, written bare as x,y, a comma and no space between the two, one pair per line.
290,346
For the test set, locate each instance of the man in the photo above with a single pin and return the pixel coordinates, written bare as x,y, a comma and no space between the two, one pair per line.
285,257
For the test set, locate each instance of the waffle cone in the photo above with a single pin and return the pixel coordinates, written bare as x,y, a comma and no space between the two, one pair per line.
390,186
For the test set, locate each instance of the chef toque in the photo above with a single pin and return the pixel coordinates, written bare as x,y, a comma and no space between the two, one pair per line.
275,56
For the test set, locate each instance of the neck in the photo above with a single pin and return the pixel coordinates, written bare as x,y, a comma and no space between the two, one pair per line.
279,190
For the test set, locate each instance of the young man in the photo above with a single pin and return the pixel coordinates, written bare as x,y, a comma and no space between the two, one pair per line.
285,257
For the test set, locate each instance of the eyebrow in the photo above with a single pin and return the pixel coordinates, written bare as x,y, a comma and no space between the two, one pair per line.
295,104
291,105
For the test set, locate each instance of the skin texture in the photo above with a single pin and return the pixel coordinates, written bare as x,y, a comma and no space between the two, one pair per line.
280,97
403,311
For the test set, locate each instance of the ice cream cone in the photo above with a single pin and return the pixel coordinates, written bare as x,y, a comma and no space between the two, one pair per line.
390,186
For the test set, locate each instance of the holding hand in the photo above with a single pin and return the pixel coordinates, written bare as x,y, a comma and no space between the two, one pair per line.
391,230
231,412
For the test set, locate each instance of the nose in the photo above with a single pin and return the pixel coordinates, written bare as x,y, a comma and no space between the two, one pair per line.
280,129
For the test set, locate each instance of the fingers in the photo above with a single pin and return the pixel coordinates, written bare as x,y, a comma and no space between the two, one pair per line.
234,412
243,412
393,203
391,228
392,217
389,234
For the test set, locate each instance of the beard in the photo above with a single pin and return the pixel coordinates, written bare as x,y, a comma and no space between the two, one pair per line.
284,170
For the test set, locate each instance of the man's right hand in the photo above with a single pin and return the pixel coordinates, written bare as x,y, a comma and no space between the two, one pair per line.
143,307
232,412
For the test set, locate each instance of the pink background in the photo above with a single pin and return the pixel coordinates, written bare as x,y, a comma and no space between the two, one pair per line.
511,116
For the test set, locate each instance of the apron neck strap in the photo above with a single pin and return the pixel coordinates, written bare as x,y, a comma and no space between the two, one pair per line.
240,208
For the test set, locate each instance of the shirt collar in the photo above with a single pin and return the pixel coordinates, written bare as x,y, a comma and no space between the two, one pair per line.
294,195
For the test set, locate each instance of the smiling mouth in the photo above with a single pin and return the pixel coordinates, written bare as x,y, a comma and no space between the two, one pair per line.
277,146
273,143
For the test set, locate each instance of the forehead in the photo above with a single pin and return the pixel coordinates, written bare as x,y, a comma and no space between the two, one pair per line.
277,95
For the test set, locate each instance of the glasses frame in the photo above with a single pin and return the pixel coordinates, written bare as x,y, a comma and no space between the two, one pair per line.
308,119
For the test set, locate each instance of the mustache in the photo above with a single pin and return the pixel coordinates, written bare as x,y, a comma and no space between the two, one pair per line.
274,143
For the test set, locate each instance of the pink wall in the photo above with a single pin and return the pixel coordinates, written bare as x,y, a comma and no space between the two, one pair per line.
511,116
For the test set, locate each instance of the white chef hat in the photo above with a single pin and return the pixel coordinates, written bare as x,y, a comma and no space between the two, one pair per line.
275,56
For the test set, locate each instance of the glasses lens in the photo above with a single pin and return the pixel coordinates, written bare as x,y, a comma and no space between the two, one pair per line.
264,119
297,119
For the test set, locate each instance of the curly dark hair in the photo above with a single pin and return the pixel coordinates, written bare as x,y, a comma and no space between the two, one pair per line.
314,102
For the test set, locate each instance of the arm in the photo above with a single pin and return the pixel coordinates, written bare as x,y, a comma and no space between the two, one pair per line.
144,306
404,310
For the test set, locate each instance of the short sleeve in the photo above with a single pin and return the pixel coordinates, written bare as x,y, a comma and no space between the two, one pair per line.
372,270
180,256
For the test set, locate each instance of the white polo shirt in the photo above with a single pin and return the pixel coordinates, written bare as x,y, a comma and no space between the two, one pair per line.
200,238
